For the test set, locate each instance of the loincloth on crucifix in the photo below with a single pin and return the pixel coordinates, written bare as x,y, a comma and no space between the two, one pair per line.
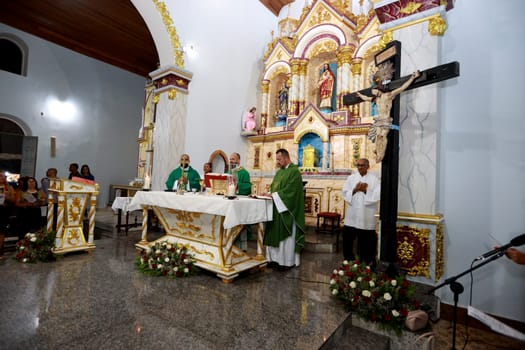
378,133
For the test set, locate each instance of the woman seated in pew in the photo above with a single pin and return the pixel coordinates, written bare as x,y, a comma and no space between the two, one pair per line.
29,199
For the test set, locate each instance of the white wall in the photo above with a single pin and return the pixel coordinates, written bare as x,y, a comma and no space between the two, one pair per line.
102,132
483,151
229,37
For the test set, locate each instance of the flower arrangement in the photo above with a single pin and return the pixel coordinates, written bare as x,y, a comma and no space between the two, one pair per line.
166,259
36,247
374,297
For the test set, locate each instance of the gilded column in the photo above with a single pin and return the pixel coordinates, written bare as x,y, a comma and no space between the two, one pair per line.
302,85
344,60
295,64
171,95
356,68
265,89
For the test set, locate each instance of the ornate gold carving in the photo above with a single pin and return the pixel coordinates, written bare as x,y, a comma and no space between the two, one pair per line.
406,250
322,15
344,55
437,26
201,252
323,46
440,262
385,39
76,187
356,66
279,70
356,150
164,81
73,237
180,82
172,32
75,209
265,86
172,94
410,8
156,98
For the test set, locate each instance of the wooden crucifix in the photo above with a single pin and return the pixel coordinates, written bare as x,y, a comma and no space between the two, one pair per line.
390,58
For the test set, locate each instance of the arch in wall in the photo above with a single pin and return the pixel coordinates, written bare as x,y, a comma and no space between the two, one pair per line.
321,32
13,125
218,158
14,51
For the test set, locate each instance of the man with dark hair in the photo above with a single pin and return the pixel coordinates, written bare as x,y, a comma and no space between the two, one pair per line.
362,192
284,237
73,170
184,177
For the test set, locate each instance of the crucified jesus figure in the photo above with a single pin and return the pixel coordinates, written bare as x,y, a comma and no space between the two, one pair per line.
378,132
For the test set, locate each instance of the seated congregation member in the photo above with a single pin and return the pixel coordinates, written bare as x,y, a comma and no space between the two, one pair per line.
73,171
242,177
7,200
284,235
28,202
85,173
184,177
51,173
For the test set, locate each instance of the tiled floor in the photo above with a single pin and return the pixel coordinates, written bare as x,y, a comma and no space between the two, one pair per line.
100,301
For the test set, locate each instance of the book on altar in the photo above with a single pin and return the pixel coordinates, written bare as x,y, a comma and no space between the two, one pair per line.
81,179
218,182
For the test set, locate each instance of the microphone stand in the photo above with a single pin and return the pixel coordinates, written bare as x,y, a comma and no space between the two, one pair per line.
457,289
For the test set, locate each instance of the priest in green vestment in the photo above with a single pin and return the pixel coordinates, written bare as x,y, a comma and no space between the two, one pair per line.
242,176
184,176
284,236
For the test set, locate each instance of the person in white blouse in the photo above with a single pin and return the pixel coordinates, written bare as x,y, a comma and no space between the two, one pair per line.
362,192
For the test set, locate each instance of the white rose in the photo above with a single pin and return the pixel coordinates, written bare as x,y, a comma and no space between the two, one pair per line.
341,273
175,269
335,272
366,293
168,246
28,234
359,279
159,266
355,265
186,261
164,244
345,262
353,285
178,251
335,291
395,313
393,283
387,296
22,247
332,281
186,270
24,260
33,239
167,260
157,251
372,284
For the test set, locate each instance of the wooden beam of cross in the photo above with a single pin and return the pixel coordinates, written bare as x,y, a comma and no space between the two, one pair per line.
390,162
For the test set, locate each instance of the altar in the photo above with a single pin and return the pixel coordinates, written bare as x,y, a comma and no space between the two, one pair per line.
207,225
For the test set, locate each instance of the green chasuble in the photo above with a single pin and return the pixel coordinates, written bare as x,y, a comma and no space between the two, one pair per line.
288,183
192,174
244,185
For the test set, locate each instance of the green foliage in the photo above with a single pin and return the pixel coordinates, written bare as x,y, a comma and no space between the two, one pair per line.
374,297
36,247
167,259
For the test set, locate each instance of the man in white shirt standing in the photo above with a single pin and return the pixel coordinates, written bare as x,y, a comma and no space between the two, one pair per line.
362,192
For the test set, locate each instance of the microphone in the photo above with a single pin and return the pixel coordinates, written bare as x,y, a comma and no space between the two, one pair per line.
515,242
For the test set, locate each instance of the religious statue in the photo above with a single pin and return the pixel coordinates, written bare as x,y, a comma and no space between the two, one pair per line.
283,100
378,132
326,87
248,123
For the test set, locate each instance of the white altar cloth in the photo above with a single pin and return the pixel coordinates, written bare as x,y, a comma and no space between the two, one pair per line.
121,203
239,211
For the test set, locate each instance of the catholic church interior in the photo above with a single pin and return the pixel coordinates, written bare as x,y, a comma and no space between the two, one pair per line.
127,87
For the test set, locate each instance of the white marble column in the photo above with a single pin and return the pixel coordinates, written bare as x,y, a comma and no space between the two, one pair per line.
170,121
420,124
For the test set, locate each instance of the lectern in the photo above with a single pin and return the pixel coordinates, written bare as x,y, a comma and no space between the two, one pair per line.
74,198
